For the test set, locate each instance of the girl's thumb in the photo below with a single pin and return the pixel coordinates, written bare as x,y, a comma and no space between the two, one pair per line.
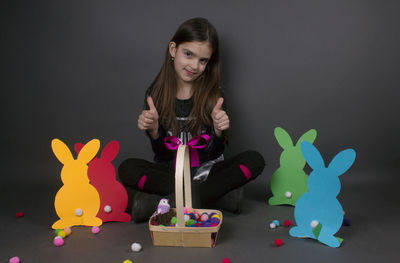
151,103
218,106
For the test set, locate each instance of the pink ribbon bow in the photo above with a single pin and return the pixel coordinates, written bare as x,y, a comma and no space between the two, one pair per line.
172,143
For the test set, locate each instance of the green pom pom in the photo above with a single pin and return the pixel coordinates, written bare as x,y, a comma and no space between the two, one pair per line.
174,220
56,231
190,222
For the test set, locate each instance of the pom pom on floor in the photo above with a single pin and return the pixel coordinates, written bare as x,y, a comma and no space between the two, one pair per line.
58,241
20,214
226,260
67,231
62,234
14,260
346,221
95,230
287,223
278,242
136,247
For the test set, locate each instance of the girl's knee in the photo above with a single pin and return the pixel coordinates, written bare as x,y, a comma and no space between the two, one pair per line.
253,161
129,169
123,170
254,158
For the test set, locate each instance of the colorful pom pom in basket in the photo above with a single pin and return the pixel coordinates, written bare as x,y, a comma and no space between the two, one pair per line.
180,235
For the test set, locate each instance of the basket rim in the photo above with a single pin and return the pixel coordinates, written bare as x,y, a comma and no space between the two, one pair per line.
188,229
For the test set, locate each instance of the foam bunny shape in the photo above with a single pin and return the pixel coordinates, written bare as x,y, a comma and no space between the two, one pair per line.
289,181
101,173
77,202
319,206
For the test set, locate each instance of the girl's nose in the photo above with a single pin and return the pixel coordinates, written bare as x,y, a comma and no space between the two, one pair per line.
195,65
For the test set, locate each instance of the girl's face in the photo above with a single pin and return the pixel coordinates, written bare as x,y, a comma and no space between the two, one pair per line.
190,59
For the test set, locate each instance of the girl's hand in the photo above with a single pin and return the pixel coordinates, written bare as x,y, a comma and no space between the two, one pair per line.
220,118
148,119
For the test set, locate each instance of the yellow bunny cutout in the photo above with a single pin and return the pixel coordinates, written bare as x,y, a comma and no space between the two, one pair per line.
77,202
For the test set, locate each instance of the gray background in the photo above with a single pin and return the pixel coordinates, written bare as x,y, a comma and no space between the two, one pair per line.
77,70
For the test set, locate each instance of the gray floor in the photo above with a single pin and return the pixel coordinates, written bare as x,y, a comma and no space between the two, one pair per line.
370,198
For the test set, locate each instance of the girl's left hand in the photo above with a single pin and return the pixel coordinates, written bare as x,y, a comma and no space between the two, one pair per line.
220,118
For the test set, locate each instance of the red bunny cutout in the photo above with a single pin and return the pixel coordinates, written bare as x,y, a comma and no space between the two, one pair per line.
101,173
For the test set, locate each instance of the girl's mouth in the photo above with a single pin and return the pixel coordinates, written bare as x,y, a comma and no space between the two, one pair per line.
189,72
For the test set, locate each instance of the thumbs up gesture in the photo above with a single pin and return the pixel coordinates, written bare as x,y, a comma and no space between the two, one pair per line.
148,119
220,118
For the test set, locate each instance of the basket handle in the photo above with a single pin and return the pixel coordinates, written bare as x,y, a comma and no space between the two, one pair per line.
182,173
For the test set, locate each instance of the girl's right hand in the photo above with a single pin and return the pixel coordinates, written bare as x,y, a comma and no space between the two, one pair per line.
148,119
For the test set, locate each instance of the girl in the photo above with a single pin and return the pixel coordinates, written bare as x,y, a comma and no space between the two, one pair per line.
185,101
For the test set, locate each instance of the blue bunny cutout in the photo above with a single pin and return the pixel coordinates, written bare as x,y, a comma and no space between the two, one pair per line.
319,206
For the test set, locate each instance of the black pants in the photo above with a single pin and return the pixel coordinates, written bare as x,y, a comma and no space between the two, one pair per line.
224,176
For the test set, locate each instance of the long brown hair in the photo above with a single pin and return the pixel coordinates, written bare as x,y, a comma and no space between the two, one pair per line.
206,86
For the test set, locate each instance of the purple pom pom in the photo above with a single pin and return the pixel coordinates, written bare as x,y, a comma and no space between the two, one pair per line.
346,221
214,220
207,224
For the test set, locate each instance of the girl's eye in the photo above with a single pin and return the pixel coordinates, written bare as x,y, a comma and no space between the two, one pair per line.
188,54
203,61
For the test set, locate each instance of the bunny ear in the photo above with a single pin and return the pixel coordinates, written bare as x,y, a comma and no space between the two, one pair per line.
89,151
342,161
110,151
61,151
78,147
312,155
283,138
308,136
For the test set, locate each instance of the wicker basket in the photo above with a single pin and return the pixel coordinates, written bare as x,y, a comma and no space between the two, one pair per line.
181,236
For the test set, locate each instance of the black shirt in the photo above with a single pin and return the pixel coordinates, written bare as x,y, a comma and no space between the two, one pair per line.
212,151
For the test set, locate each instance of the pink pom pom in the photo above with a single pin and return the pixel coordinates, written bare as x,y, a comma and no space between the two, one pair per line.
95,230
58,242
204,217
20,214
287,223
226,260
14,260
278,242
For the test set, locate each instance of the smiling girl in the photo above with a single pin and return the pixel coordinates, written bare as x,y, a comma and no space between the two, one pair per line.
185,101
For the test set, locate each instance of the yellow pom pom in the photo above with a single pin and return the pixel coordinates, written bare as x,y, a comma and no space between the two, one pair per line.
216,216
62,234
127,261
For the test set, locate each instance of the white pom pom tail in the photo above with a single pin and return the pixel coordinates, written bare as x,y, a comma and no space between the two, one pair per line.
78,212
314,223
107,209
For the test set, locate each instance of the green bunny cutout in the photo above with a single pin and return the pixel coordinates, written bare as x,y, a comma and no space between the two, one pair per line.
289,181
